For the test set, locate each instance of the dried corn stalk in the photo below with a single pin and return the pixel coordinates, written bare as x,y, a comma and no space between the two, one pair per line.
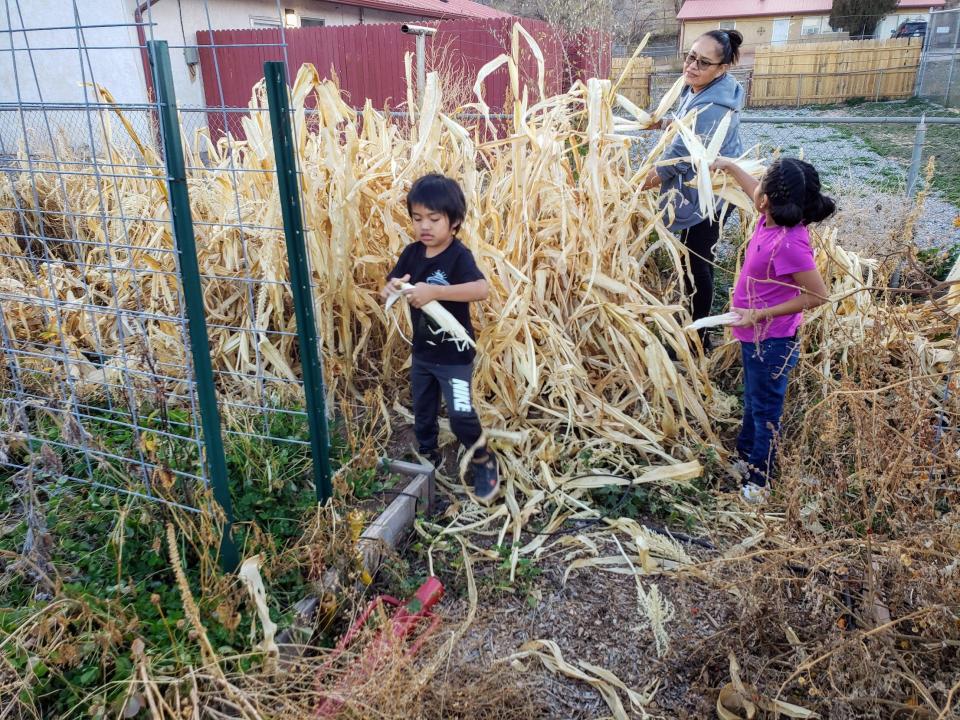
604,681
585,293
250,575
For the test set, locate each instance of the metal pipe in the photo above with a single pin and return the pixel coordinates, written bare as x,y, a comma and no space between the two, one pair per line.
919,139
846,120
421,32
421,66
142,39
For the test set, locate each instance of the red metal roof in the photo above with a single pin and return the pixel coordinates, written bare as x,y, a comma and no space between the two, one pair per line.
714,9
431,8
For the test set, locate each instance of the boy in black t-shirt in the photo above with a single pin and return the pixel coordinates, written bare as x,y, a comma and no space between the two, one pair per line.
441,268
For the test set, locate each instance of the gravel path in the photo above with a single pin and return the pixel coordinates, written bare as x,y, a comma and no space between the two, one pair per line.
869,188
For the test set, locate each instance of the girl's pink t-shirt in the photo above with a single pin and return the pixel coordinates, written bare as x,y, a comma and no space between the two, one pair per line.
766,278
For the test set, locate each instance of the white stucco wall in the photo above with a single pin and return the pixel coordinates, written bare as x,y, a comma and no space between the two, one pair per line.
54,71
57,75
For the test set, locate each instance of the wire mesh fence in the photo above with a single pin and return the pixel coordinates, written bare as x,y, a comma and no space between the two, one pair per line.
97,356
93,326
939,76
99,383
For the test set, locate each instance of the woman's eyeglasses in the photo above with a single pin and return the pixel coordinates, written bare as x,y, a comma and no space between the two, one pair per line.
701,63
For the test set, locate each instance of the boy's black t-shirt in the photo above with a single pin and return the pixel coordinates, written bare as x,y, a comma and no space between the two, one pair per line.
453,266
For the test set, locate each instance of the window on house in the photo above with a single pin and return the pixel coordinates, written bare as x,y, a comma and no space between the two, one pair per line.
264,22
728,24
813,26
312,22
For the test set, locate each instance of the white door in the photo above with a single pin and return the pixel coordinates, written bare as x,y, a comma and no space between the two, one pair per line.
781,31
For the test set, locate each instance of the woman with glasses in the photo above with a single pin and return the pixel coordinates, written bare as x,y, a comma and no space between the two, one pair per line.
713,92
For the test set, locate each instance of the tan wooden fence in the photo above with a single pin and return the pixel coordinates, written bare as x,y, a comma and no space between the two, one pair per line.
829,72
636,86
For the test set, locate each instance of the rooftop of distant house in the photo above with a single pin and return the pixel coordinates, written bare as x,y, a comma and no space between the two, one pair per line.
715,9
431,8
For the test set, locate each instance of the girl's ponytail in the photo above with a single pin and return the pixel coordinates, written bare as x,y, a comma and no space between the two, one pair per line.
793,188
787,214
818,208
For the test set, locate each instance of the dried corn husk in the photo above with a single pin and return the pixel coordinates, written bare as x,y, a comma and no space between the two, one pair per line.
445,321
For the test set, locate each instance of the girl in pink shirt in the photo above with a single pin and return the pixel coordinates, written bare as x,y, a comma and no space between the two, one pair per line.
778,281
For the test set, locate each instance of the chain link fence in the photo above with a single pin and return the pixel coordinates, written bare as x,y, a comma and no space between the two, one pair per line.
939,76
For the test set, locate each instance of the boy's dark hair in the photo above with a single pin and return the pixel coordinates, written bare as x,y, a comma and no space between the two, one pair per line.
793,188
729,42
440,194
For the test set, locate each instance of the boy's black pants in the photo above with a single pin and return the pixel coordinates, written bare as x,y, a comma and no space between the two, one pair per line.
429,382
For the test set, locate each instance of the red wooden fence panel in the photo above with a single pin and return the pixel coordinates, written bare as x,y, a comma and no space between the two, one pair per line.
368,61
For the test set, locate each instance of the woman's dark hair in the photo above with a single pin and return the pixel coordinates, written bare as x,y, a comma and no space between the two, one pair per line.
729,42
440,194
793,188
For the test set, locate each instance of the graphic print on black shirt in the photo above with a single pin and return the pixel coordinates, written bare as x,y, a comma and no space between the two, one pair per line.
454,266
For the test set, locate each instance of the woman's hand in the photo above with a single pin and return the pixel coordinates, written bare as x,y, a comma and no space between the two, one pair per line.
651,180
748,317
420,294
393,286
722,164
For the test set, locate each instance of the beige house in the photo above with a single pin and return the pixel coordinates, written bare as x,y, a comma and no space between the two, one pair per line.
777,22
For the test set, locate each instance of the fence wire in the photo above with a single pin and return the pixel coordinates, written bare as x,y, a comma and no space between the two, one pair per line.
96,353
939,76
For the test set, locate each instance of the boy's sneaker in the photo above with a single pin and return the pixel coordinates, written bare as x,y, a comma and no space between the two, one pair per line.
486,479
755,494
433,457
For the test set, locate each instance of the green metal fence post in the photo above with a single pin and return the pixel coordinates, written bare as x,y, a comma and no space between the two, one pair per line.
284,151
193,294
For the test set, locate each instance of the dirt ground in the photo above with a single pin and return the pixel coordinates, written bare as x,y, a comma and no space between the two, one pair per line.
594,617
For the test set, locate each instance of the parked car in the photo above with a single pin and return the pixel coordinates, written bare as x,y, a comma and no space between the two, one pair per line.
910,29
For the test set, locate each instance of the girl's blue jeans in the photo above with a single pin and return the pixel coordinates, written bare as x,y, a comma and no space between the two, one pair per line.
766,368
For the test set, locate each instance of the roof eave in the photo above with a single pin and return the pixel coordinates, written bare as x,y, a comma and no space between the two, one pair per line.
723,16
387,6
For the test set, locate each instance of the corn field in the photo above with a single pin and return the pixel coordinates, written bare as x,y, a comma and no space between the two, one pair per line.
575,381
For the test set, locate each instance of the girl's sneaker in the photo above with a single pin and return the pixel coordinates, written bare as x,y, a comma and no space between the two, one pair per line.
755,494
741,470
486,479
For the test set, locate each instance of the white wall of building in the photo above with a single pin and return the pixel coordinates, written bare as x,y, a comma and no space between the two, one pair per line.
46,66
54,70
56,75
178,24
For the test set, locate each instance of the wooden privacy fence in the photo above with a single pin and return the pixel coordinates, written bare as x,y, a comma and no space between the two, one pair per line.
802,73
636,86
828,72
